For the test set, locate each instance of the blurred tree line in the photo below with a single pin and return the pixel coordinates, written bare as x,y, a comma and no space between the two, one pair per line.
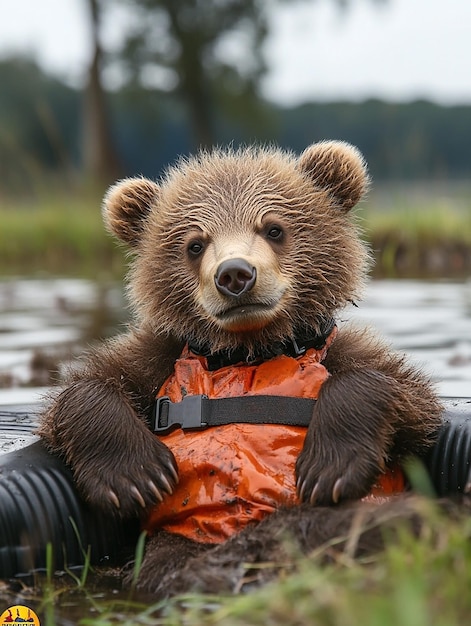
182,86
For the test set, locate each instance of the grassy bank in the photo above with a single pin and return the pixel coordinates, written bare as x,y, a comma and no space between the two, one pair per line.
63,234
413,243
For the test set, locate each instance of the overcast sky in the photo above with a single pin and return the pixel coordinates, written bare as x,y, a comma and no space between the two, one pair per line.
401,50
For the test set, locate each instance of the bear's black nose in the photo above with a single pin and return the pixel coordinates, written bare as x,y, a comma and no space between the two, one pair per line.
234,277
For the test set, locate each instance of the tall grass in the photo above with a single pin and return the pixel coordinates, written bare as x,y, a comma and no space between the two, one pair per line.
418,224
425,211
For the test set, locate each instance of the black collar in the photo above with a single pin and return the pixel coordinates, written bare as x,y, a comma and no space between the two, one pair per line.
295,347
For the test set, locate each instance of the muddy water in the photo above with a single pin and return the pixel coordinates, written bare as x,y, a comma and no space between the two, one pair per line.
430,321
46,324
44,327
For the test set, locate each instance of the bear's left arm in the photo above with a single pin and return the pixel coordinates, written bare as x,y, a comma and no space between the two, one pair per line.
374,409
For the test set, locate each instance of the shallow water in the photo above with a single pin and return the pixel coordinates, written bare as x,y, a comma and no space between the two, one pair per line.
430,321
46,324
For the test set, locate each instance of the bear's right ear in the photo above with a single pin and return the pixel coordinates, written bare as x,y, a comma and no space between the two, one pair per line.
126,207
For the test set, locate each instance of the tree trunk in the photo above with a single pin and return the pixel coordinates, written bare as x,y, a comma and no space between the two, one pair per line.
194,85
100,162
198,97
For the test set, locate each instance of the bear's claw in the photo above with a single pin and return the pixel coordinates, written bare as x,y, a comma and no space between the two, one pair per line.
155,491
114,499
314,494
137,495
337,490
173,470
166,484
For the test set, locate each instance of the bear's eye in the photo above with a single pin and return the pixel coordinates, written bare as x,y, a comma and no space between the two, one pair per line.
195,248
275,233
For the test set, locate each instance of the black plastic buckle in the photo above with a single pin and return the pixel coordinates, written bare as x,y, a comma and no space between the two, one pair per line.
187,414
297,350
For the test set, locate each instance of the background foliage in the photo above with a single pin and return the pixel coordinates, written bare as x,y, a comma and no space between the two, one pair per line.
42,131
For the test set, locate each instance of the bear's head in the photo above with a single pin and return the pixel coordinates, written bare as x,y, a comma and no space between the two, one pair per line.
244,247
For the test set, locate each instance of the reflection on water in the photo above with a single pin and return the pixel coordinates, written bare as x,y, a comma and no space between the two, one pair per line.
45,324
430,321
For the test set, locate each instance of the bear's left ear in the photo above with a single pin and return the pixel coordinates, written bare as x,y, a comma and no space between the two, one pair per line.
126,207
337,167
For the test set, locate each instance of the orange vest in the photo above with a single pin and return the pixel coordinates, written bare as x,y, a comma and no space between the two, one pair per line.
239,473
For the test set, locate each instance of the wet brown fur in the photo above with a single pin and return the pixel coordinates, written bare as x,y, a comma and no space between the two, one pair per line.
374,410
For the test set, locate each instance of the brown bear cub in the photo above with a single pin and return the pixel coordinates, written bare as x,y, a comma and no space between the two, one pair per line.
267,413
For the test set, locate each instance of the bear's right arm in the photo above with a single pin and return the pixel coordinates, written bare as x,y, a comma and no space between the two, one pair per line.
98,424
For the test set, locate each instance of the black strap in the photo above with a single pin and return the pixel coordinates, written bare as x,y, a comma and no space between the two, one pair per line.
293,347
198,412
